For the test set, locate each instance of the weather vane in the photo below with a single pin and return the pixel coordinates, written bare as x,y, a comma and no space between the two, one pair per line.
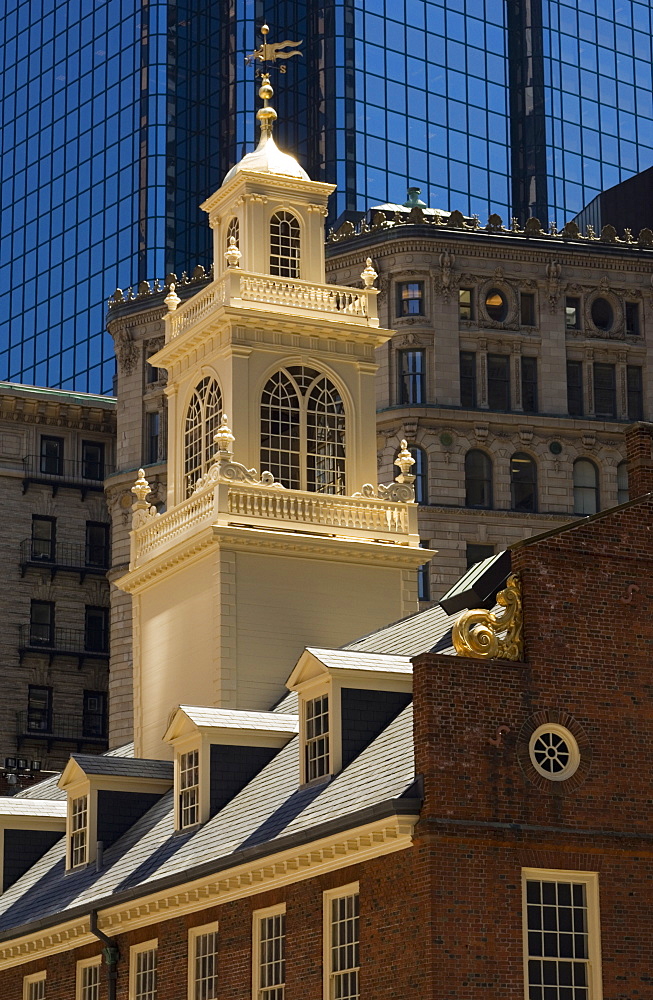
271,51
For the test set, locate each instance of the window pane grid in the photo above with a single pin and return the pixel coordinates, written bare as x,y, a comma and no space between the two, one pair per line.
272,966
317,738
344,948
145,979
91,982
189,780
557,928
280,431
284,245
202,420
206,966
78,832
36,990
325,439
412,377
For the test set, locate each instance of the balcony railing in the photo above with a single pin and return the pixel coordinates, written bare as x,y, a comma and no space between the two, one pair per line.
57,556
236,287
79,643
256,505
56,472
59,728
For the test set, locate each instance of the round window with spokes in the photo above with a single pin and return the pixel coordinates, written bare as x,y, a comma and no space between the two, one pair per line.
554,752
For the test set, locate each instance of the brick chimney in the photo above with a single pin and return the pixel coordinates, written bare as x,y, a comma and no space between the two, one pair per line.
639,452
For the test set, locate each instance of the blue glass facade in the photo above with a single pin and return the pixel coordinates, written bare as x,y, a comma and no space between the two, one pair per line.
119,118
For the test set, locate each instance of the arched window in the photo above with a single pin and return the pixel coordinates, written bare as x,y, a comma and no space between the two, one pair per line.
233,229
586,487
284,245
202,421
622,483
523,482
421,472
303,431
478,479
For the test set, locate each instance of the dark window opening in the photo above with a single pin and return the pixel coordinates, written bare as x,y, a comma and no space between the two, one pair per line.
152,373
97,544
94,717
43,538
478,479
523,483
423,578
586,487
575,388
476,553
527,308
92,460
529,384
420,471
634,392
622,483
41,623
468,379
498,381
96,630
632,319
412,377
52,456
152,432
602,314
410,298
39,709
605,391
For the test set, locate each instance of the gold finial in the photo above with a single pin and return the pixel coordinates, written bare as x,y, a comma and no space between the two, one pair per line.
269,52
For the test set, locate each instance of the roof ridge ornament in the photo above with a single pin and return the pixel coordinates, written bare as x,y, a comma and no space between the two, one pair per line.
269,52
477,633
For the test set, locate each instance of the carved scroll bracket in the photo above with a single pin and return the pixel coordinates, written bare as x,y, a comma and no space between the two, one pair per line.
483,635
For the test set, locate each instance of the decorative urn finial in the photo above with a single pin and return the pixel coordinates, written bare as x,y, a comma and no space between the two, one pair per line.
141,488
172,300
368,274
404,461
224,439
232,253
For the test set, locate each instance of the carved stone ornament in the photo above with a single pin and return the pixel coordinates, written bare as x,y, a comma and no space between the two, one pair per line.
402,490
126,351
443,282
368,274
142,511
553,275
483,635
224,468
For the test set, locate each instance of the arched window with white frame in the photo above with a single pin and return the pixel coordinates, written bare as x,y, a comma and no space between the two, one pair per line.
303,431
202,421
285,244
233,229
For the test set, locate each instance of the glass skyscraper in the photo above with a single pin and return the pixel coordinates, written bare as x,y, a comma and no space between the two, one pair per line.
119,118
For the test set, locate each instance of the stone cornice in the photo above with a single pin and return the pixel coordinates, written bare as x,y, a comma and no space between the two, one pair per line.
45,411
284,867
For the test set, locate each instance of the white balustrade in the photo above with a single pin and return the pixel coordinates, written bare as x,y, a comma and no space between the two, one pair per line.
230,503
243,287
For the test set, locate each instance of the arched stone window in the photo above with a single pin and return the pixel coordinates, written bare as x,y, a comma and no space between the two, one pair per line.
202,421
233,229
421,472
523,482
478,479
284,245
586,487
622,483
303,431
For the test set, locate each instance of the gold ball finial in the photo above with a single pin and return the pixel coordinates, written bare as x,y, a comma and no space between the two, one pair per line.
265,91
264,29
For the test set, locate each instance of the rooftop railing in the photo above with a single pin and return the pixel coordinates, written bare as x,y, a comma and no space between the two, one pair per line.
37,637
63,728
57,556
56,472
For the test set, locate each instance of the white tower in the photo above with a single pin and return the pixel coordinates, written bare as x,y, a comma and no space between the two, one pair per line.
247,567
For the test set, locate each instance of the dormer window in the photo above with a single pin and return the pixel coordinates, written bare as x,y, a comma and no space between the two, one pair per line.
284,245
79,831
316,740
189,789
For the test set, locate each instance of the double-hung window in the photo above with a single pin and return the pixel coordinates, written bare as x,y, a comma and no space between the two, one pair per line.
203,962
269,953
561,935
34,986
189,789
88,978
341,958
316,738
412,377
79,831
142,970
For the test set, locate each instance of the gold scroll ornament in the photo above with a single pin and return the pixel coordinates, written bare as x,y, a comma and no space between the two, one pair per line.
484,635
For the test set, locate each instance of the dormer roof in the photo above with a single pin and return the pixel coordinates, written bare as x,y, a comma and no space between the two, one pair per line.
347,665
82,766
233,724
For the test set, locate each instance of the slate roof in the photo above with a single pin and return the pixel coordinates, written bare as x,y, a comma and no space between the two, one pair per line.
49,788
223,718
124,767
269,814
425,631
50,808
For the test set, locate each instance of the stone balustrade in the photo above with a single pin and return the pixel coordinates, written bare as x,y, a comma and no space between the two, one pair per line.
254,505
238,287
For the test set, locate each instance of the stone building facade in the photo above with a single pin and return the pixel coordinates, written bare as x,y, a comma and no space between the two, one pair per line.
519,356
55,449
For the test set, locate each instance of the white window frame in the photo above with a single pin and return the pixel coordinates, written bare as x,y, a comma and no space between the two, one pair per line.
29,981
185,791
194,933
591,882
82,966
79,835
257,917
328,897
134,951
327,736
